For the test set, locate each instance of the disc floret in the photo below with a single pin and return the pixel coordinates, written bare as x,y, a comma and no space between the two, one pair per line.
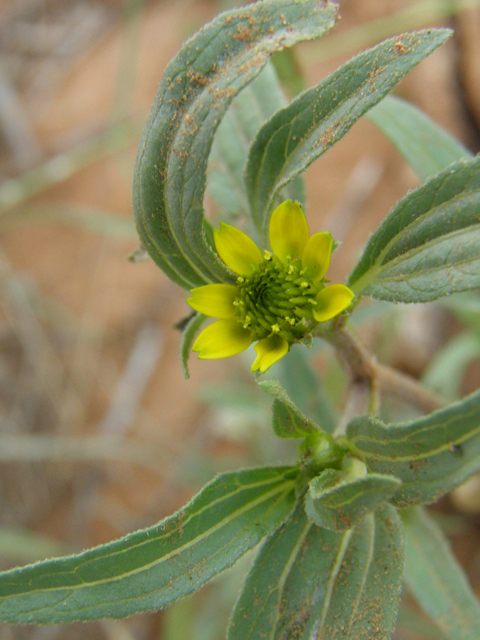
278,298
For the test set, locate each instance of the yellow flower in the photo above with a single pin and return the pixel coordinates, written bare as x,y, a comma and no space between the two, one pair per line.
279,297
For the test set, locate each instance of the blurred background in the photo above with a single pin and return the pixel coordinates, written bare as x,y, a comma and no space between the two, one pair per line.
100,434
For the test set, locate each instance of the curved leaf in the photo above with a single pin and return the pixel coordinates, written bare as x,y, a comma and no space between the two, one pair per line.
197,88
297,135
429,244
426,147
431,455
308,582
338,503
151,568
189,331
288,420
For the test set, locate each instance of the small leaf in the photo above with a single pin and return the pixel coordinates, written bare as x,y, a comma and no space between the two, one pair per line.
308,582
288,420
198,86
431,455
426,147
437,580
338,502
189,331
429,244
297,135
151,568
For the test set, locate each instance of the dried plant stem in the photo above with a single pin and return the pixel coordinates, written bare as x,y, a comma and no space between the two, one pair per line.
369,379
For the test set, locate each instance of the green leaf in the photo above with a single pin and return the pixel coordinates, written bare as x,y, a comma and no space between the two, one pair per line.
305,389
445,372
337,501
288,420
247,113
429,244
431,455
297,135
308,582
189,332
151,568
426,147
197,89
437,580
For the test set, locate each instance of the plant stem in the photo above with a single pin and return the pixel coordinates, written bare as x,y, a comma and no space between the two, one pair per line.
368,379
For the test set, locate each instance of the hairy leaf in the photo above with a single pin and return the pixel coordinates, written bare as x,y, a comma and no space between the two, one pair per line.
429,244
151,568
431,455
295,136
437,580
197,88
288,420
337,502
309,583
426,147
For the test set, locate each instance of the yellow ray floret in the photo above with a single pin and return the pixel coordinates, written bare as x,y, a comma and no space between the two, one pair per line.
279,297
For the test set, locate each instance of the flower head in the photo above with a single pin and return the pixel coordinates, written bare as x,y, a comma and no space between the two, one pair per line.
279,297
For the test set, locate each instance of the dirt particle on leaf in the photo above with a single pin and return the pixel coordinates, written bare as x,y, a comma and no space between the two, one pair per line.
243,33
326,137
401,48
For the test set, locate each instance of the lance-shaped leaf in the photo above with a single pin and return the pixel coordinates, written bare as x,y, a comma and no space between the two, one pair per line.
197,88
247,113
437,580
288,420
426,147
308,582
151,568
338,500
295,136
431,455
429,244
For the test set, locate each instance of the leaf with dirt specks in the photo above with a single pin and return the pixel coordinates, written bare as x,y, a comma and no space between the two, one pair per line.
308,582
335,501
152,568
430,455
314,121
429,244
198,86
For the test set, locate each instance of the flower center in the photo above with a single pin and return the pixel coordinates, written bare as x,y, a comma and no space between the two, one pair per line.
277,298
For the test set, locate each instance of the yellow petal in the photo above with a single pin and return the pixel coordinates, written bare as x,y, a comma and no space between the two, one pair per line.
222,339
269,350
331,301
316,255
236,249
214,300
288,230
